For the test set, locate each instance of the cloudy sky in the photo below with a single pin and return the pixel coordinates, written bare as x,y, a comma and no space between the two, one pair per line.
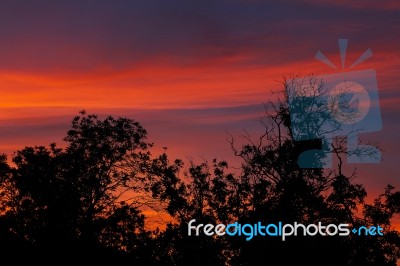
189,71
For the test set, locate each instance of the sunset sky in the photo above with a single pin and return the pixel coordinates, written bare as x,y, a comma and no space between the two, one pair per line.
188,71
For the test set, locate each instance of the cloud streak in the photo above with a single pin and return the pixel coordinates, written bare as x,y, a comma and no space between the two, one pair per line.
188,70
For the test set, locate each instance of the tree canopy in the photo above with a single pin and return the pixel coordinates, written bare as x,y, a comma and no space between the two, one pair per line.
86,201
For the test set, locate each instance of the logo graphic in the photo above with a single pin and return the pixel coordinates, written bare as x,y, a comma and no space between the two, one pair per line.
343,104
282,230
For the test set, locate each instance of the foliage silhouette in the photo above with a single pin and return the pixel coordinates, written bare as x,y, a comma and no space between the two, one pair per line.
85,202
271,188
69,202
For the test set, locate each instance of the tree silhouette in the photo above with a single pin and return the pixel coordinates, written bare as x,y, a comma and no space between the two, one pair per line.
271,188
70,202
83,203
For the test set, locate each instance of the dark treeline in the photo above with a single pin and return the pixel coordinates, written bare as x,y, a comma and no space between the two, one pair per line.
84,203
